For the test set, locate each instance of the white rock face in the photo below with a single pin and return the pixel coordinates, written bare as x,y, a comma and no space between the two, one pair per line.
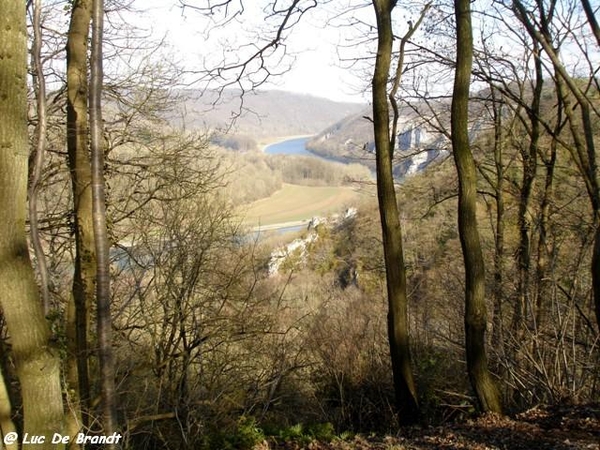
415,163
299,247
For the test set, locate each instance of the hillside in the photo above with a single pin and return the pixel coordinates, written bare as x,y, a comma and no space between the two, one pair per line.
351,139
260,114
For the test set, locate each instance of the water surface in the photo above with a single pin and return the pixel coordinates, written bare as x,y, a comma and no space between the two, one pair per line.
294,146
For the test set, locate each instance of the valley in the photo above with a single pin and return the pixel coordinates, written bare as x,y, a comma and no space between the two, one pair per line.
307,190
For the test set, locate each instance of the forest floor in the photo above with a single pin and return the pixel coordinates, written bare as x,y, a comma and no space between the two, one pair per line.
558,427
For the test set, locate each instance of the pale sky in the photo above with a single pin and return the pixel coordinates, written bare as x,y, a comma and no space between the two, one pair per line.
196,41
315,70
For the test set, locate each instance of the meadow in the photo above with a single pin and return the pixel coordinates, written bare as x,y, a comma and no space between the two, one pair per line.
295,203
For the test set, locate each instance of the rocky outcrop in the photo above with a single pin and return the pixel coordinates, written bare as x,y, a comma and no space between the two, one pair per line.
351,140
296,252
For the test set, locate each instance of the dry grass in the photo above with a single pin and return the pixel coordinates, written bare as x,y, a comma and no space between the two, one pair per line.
294,203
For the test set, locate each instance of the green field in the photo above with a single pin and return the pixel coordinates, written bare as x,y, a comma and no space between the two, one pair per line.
295,203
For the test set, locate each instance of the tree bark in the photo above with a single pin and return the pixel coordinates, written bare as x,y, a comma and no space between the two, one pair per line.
37,362
84,278
475,308
103,319
398,335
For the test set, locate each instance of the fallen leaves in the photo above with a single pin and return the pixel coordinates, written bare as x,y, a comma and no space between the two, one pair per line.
563,427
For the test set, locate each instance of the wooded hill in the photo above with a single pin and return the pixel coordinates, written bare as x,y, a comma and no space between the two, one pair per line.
259,114
423,135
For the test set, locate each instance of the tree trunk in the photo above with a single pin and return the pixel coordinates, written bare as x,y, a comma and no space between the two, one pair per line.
523,307
406,397
499,251
475,308
543,283
103,319
38,159
36,360
84,278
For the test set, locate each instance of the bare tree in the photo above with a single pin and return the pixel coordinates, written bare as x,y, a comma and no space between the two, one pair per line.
398,335
475,308
582,130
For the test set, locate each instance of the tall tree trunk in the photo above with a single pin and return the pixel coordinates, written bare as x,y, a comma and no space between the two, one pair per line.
543,291
499,251
475,308
406,397
84,278
40,149
107,370
37,362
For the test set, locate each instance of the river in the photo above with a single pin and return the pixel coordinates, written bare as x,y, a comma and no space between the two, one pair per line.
297,146
293,146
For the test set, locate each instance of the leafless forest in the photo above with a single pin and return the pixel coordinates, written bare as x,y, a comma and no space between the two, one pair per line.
455,308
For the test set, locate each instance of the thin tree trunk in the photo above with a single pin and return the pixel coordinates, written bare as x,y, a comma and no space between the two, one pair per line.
107,370
406,397
523,306
543,258
499,253
84,277
36,360
475,308
38,160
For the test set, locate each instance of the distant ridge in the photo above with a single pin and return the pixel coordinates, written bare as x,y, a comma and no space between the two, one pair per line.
261,113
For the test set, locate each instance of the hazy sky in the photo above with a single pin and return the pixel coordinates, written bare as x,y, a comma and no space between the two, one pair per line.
313,44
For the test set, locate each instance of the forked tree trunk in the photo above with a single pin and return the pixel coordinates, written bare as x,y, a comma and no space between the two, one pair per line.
37,362
406,397
475,308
